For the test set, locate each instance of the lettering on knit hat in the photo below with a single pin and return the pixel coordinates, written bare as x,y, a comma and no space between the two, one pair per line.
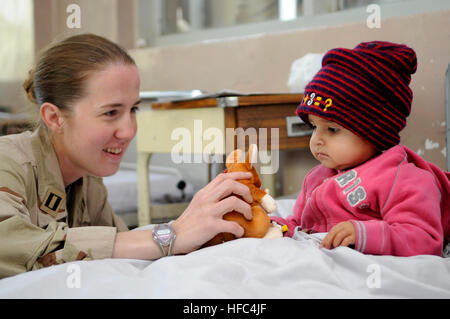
318,100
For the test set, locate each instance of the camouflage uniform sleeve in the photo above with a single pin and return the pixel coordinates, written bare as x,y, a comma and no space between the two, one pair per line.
31,247
26,246
26,242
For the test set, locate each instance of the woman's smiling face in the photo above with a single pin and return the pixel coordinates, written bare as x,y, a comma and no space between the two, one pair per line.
97,132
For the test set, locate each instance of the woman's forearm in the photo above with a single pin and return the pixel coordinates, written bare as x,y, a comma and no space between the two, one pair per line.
136,245
201,221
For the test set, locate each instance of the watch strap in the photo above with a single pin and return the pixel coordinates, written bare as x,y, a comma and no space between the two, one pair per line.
163,251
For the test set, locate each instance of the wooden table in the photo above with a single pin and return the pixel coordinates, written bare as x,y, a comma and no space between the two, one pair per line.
209,126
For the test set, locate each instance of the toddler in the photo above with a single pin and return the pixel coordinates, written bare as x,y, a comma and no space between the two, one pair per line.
368,192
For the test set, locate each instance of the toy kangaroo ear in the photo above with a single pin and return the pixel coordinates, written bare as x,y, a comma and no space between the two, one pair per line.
252,155
234,157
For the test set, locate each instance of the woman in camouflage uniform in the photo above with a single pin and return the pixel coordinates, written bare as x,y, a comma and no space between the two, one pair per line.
53,204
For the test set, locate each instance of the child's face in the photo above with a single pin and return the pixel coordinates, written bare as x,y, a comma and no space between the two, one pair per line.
336,147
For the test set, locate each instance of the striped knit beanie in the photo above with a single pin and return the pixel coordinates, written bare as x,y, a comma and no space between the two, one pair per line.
366,90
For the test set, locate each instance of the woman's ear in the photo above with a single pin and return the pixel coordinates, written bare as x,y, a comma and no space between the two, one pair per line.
52,117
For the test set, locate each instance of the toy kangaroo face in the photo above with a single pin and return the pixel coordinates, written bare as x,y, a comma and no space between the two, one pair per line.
235,163
262,204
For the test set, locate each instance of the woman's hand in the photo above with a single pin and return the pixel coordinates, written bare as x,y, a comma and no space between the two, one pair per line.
203,218
342,234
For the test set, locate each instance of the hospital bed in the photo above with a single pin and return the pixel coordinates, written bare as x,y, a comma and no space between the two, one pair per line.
243,268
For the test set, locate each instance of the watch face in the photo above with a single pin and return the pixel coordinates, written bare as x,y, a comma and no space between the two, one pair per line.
164,233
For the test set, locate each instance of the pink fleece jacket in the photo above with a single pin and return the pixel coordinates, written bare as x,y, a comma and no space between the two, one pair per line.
398,203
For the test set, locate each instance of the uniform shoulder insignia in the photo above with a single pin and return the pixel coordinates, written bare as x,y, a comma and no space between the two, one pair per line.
52,201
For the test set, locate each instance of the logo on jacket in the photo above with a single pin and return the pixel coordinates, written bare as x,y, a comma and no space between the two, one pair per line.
354,195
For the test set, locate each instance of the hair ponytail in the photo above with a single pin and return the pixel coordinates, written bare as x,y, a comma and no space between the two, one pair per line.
28,86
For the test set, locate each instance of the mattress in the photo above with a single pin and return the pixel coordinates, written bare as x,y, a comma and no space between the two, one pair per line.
247,268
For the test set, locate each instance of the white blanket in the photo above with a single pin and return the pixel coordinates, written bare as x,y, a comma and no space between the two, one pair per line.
245,268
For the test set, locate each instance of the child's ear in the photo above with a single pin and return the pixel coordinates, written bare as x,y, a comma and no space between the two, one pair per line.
233,158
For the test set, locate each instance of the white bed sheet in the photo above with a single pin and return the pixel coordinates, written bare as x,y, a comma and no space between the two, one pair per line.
244,268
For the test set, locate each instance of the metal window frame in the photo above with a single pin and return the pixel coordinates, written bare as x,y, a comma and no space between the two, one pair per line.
151,17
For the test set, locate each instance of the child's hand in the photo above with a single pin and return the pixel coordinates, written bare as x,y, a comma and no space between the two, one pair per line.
342,234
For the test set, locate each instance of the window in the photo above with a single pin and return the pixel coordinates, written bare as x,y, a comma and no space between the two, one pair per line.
159,20
16,32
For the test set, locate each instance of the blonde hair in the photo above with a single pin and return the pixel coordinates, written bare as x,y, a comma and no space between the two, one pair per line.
62,69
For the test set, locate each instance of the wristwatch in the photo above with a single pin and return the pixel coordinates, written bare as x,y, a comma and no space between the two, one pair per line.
164,235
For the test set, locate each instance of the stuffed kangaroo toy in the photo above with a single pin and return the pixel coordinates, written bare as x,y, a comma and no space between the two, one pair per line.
262,203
